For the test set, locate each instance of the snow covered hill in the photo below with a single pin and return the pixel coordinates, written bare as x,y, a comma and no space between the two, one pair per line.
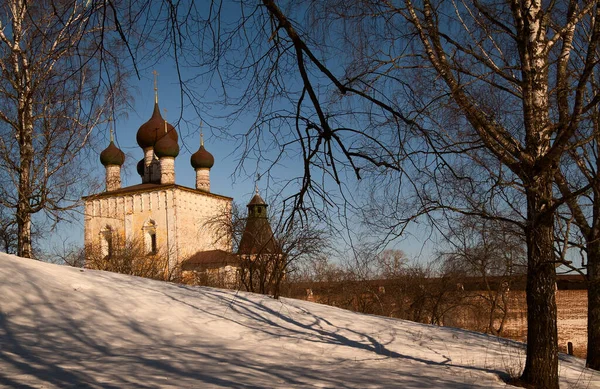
63,327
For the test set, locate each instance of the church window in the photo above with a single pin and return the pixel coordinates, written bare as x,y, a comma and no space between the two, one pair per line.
106,242
153,243
150,242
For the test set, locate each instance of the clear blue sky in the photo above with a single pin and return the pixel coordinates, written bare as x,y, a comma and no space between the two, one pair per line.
225,179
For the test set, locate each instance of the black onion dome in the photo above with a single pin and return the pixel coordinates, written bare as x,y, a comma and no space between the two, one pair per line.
166,147
140,167
154,129
112,155
202,159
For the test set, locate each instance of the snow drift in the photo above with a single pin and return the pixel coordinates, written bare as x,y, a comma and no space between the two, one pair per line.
63,327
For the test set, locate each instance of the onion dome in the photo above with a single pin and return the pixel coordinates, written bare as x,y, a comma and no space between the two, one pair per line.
112,155
202,159
154,129
140,167
166,147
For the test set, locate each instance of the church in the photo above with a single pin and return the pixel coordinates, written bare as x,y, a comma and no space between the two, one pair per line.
169,218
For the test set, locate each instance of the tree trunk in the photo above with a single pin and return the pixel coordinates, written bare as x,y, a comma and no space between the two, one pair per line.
541,366
593,275
24,231
26,162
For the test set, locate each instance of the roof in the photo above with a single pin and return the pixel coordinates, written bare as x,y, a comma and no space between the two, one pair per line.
210,259
258,238
256,200
149,187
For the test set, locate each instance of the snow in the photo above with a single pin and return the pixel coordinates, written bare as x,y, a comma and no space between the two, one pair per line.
63,327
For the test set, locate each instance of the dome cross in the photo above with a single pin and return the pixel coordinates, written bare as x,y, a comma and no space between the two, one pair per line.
155,85
201,135
110,129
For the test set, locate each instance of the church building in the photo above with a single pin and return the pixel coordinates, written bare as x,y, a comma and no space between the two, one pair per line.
167,217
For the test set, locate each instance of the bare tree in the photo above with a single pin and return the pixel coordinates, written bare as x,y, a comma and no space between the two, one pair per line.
65,253
129,257
271,252
491,252
56,77
388,284
8,231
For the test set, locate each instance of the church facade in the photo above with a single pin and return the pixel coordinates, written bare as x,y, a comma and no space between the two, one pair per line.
168,218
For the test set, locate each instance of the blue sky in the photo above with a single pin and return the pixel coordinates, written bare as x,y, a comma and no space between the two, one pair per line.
227,178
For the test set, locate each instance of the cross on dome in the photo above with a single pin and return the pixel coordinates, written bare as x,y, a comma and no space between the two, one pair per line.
155,85
256,184
110,129
201,135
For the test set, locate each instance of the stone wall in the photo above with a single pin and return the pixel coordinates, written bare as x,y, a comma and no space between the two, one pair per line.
463,307
180,217
572,319
198,228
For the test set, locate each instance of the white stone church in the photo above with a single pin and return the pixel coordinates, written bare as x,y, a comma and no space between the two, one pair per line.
165,216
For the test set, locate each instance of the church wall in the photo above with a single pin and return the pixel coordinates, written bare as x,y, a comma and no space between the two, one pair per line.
196,229
127,215
179,218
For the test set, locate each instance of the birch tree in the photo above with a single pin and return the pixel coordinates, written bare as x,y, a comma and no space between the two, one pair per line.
52,95
543,43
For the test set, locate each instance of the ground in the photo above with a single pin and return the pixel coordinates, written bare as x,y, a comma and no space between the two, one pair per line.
63,327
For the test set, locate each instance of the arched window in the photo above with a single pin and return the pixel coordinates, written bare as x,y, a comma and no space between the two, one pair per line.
106,242
149,230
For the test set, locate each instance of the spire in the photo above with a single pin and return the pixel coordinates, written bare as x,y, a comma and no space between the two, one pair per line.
201,135
110,129
256,184
155,86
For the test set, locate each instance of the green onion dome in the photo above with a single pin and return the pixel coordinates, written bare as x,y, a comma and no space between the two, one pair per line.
112,155
166,147
154,129
202,159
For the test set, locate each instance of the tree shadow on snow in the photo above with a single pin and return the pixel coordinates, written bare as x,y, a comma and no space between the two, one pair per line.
82,341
